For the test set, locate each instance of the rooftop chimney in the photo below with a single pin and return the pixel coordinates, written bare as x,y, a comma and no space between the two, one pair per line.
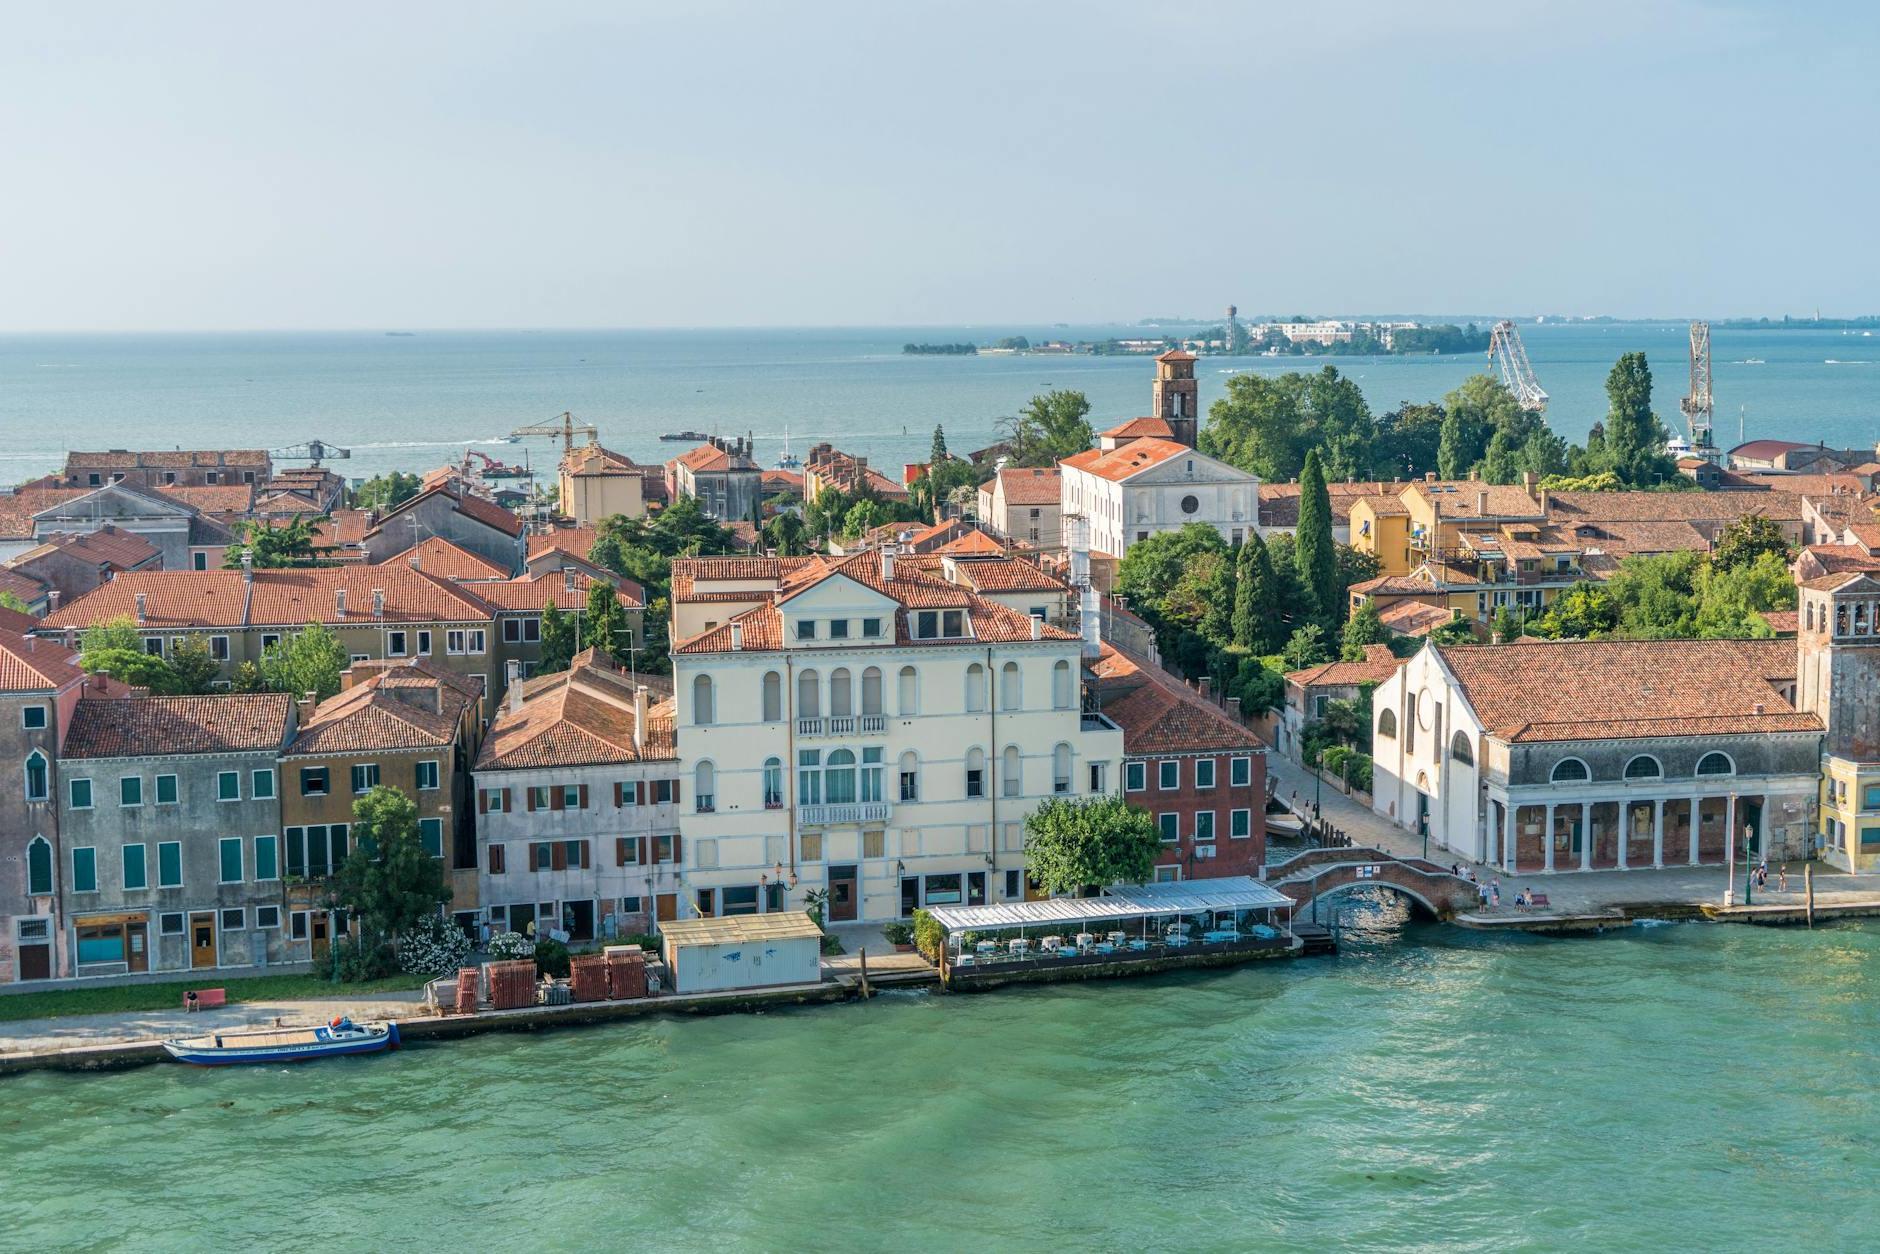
887,562
1481,502
512,670
567,578
1037,627
248,564
1090,617
1233,708
143,605
339,602
416,562
378,603
639,718
737,636
304,707
52,601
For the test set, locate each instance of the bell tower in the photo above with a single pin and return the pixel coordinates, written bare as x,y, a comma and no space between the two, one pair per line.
1177,400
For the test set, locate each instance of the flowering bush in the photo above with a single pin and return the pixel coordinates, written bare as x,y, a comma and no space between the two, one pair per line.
509,946
433,946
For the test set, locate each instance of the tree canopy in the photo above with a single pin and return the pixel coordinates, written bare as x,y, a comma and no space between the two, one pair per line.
1051,427
1267,425
1317,559
276,546
309,660
390,881
388,490
1075,844
117,648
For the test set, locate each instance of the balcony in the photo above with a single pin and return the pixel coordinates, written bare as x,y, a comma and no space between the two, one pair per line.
842,812
843,725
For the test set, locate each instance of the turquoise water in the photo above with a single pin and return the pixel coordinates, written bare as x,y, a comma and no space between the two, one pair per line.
1687,1086
414,401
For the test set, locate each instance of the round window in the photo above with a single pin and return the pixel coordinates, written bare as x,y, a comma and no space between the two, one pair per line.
1190,505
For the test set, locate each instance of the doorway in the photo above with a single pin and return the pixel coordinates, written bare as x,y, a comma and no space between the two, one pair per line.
910,895
578,918
202,939
665,907
322,935
842,895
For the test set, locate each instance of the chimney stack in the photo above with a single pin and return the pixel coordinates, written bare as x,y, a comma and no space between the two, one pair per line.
378,603
304,707
1090,617
512,670
143,605
248,564
1481,502
52,601
567,578
737,636
1233,708
339,602
639,718
887,563
1037,627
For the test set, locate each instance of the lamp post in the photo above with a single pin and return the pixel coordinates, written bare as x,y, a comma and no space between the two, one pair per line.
1729,852
1749,873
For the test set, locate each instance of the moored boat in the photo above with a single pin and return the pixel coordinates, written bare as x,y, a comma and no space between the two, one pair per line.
341,1036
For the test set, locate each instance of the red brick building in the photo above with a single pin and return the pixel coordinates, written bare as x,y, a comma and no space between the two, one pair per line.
1187,762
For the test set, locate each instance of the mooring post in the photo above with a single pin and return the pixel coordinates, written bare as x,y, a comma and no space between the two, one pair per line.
1808,891
863,955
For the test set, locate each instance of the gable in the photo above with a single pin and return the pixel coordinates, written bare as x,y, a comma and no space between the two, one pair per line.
838,592
112,502
1176,470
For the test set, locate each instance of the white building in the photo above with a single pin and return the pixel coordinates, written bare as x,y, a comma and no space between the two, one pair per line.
1592,755
1151,485
578,796
869,730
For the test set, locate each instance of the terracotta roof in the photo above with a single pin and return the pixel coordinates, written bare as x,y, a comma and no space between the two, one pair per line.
1469,498
1379,664
228,499
388,711
1176,354
592,459
29,664
1783,622
783,481
21,585
1839,558
1623,536
140,727
1036,485
1765,450
1128,461
1627,689
582,716
710,459
1414,618
1160,714
290,598
1394,585
122,549
1568,508
344,527
1006,574
437,556
16,622
1139,429
534,592
969,544
576,540
1279,502
17,508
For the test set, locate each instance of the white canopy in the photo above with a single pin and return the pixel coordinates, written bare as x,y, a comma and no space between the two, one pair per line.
1124,901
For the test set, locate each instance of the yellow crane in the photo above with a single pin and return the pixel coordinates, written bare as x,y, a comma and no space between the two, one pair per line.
566,428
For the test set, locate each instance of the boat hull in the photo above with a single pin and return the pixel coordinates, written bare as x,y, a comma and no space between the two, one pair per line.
233,1054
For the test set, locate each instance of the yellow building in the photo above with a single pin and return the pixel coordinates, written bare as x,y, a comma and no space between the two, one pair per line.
597,483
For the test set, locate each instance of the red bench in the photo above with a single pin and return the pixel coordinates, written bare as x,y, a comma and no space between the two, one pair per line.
205,998
1538,899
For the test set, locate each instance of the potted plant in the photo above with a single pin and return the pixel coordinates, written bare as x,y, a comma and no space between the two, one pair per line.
900,935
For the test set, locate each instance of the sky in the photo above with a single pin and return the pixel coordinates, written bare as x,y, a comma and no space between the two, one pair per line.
432,165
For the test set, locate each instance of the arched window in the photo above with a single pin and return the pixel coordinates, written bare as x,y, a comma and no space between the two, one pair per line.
1011,690
841,700
773,697
773,783
839,777
1460,749
1568,770
909,691
871,690
1061,685
1716,764
39,868
808,695
975,688
704,713
704,788
975,772
910,776
1387,723
1012,768
37,785
1061,768
1644,766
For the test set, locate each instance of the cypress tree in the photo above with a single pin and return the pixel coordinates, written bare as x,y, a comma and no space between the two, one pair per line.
1317,561
1257,599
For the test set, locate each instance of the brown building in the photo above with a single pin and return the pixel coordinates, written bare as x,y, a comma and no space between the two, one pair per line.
449,510
39,688
174,468
70,564
1177,397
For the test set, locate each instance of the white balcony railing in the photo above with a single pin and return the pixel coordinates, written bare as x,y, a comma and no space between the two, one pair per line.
842,812
843,725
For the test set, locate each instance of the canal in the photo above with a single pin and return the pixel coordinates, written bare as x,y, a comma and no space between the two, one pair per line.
1670,1086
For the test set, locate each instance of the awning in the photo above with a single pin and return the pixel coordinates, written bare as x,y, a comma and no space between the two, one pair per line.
1125,901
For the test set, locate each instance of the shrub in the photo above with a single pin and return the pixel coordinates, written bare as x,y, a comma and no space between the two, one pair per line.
433,946
1332,757
551,957
1360,772
929,936
645,940
360,957
509,946
898,933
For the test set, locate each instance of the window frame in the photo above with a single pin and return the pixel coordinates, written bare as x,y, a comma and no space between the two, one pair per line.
71,795
221,778
1135,777
222,847
136,783
1240,772
177,846
1163,767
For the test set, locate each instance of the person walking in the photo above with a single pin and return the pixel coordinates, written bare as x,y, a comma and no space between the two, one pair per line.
1782,879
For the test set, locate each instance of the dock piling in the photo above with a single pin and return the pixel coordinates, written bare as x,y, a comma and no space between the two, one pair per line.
1808,891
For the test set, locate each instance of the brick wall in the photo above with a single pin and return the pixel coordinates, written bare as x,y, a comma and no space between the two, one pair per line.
1232,855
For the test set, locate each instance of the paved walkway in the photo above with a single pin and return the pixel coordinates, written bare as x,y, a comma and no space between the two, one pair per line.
130,1027
1566,891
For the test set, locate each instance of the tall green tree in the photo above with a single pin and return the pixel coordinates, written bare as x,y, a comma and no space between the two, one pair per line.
785,535
1747,539
1259,599
386,491
1409,441
309,660
557,640
1081,844
1171,580
390,880
1366,627
937,452
295,543
193,670
1051,427
1634,438
606,627
1266,425
1317,557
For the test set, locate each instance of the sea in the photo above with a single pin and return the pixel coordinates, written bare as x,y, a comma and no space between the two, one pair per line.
417,400
1686,1086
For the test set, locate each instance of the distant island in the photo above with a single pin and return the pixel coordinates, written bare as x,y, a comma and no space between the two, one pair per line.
1299,338
1867,322
940,350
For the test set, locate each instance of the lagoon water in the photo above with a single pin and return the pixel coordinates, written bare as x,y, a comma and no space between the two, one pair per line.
1676,1087
414,401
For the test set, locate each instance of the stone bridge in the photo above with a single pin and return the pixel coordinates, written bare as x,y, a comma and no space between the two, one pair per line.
1320,873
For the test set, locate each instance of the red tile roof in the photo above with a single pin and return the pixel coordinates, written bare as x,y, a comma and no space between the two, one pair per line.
125,459
469,504
534,592
1038,485
290,598
122,549
1570,508
1160,714
14,621
29,664
1627,689
411,707
437,556
22,585
582,716
1766,450
1128,461
141,727
1379,664
576,540
1139,428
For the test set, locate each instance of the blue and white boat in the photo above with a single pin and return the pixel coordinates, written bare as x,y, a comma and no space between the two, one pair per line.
341,1036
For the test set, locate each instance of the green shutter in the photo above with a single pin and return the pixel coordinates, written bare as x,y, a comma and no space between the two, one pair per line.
263,785
231,847
228,786
85,870
169,864
81,794
39,868
136,873
166,790
431,832
267,859
131,790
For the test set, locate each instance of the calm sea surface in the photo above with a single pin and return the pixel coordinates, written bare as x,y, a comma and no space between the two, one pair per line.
1678,1087
415,401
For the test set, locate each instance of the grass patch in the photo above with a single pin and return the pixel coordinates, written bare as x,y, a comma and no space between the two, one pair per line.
128,998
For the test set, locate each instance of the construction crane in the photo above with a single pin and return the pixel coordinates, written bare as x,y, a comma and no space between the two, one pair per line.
315,451
566,428
1511,360
1699,406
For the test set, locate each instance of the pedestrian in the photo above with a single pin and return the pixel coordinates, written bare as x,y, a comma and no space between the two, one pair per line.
1494,893
1481,890
1782,880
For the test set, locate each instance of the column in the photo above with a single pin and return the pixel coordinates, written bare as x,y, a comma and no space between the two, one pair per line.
1658,833
1547,840
1731,837
1586,835
1510,834
1625,831
1696,818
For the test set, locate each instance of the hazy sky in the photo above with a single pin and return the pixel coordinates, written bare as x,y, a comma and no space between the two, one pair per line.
496,165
